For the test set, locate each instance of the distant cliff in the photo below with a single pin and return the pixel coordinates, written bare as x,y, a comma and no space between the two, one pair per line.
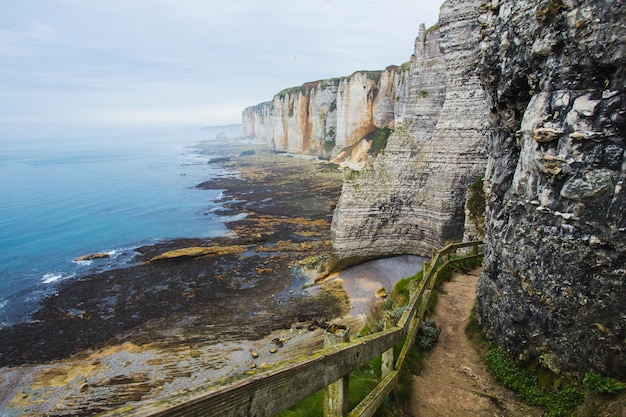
323,117
411,198
553,285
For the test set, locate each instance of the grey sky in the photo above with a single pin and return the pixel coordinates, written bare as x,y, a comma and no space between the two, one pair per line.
186,62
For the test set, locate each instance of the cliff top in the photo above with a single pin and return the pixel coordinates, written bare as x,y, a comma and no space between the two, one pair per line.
371,74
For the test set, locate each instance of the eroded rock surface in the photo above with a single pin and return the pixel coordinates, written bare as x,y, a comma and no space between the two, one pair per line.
323,117
411,199
553,286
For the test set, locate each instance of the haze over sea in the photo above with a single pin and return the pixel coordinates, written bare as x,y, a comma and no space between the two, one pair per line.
66,195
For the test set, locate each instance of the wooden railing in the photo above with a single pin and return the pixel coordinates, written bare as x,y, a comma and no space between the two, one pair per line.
273,391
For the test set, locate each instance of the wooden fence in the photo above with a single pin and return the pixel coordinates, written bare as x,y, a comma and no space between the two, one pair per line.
273,391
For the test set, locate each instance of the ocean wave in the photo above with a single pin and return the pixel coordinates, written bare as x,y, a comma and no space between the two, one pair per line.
51,277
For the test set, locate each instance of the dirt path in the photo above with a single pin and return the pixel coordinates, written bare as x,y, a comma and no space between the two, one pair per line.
454,381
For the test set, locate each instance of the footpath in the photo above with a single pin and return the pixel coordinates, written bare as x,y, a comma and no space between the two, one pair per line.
454,380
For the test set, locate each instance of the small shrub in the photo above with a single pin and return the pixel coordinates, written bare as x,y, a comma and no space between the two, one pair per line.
467,265
427,335
388,304
599,384
329,145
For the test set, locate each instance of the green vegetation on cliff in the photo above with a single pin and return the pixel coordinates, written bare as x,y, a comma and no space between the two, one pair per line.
560,396
379,140
476,203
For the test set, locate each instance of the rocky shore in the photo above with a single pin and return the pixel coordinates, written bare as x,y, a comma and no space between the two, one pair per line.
180,314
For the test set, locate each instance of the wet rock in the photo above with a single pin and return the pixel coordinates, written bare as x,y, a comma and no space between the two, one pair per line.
92,256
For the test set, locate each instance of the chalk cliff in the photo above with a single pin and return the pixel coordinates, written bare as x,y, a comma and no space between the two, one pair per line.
323,117
553,285
411,198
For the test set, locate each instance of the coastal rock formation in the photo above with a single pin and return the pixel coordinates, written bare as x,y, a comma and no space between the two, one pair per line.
553,285
412,198
323,117
91,257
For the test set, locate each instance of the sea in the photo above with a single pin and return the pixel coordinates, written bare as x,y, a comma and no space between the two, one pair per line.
64,195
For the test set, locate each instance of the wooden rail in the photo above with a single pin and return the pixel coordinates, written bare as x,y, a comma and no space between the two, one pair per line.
273,391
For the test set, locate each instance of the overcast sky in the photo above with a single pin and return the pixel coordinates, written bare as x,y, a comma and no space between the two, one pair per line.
186,62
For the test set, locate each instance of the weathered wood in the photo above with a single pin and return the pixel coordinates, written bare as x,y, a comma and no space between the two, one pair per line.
455,246
387,362
336,394
413,328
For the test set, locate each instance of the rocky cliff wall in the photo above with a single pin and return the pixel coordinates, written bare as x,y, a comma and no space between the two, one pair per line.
323,117
411,199
553,285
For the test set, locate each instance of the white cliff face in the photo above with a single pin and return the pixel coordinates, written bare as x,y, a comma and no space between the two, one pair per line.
323,117
412,197
355,100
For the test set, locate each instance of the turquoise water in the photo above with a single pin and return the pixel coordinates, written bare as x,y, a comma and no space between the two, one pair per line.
66,196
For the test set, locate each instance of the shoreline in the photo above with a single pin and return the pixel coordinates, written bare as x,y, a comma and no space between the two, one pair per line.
132,198
174,322
249,287
128,372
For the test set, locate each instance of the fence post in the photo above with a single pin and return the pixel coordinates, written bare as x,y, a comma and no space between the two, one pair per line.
336,394
388,359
